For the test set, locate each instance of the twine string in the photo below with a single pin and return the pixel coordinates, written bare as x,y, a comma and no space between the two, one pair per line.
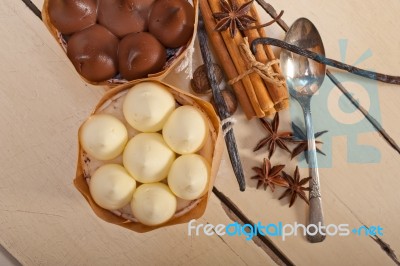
187,62
227,124
253,66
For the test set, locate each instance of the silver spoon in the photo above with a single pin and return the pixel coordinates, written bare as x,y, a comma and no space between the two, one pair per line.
304,77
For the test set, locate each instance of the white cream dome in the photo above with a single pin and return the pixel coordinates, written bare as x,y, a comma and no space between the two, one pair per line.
186,130
103,136
148,158
188,177
153,204
147,106
111,186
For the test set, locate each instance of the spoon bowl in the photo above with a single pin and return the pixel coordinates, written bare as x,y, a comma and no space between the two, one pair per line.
304,77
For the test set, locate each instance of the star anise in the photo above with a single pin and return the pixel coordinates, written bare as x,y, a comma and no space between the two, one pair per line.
300,137
295,187
233,17
274,138
268,176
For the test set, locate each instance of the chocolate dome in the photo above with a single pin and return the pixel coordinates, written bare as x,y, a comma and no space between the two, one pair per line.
122,17
140,54
93,52
69,16
172,22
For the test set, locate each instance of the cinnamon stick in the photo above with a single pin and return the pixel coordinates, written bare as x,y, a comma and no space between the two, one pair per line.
260,88
225,59
234,52
278,93
265,101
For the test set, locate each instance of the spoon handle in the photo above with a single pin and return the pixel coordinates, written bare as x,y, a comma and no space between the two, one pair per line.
316,217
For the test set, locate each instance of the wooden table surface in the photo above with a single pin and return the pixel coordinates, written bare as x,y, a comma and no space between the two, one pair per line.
45,221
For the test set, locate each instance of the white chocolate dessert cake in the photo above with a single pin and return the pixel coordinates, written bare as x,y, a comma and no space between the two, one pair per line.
147,160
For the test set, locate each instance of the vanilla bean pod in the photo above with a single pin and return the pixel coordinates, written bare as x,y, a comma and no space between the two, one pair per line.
273,14
222,108
354,70
326,61
275,20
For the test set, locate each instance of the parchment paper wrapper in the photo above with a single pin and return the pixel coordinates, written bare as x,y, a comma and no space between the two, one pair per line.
212,151
179,54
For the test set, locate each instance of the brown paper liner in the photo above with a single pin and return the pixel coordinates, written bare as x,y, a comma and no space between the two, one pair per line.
171,63
212,151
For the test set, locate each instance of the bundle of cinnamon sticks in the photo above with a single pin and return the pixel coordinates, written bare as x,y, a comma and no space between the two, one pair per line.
258,97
